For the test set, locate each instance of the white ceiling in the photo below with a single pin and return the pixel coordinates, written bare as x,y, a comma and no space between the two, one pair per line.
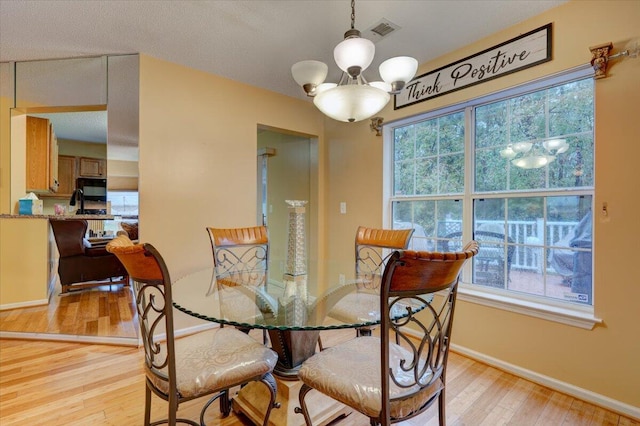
255,42
86,126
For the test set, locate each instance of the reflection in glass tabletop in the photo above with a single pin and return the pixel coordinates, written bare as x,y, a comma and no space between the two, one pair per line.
290,305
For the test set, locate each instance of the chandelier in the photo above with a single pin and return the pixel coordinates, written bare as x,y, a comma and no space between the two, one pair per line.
353,98
527,155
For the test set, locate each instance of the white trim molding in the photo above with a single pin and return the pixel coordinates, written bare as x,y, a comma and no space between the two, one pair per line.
28,304
71,338
574,317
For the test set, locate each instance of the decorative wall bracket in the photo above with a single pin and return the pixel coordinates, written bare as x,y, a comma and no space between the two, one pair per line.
600,56
376,125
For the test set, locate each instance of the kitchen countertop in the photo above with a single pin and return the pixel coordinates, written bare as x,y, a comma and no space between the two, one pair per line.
59,217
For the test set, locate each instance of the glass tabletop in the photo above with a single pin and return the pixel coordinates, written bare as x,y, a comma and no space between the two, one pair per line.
290,304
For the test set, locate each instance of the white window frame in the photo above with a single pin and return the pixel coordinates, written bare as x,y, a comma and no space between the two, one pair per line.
575,315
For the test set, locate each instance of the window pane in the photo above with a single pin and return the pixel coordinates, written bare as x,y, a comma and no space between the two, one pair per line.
451,174
546,250
404,178
429,157
452,133
546,140
571,108
426,176
491,125
527,117
431,220
575,168
569,235
403,143
491,175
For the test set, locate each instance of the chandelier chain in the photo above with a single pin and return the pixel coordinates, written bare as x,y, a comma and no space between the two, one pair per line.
353,14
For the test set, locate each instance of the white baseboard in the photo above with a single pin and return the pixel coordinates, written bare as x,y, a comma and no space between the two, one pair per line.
102,340
28,304
194,329
550,382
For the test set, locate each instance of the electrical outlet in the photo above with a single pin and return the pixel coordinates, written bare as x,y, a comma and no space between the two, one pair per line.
343,207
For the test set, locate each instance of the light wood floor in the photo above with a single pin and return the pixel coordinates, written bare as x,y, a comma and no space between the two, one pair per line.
105,311
54,383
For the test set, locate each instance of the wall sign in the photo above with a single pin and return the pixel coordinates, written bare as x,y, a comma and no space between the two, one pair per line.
522,52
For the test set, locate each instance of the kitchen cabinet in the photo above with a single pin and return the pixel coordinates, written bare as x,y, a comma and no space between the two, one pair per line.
93,167
53,160
67,173
42,156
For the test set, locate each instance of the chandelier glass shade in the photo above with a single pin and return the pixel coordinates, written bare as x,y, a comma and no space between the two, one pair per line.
353,98
351,102
354,53
533,157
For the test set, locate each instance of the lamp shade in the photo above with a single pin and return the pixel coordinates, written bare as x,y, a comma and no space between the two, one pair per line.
325,86
559,145
354,51
309,72
533,161
400,68
381,85
351,102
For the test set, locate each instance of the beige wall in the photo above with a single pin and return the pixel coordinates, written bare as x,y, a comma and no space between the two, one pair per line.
605,360
81,149
198,146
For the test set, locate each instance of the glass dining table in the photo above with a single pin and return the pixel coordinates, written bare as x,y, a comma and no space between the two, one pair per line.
293,310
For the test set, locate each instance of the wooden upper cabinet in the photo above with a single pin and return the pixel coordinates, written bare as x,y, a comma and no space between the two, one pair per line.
93,167
38,154
67,174
53,160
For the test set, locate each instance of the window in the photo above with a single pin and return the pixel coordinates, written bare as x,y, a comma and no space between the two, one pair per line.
514,171
124,208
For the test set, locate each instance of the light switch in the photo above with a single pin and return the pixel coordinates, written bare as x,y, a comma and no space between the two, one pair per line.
343,207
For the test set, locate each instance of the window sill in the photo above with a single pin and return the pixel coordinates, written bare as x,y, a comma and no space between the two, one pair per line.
581,317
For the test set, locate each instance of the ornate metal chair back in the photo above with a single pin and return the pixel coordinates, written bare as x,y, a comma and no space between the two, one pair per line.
373,249
152,285
411,279
240,255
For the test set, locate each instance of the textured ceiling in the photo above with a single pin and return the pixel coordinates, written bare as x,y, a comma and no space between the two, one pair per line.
255,42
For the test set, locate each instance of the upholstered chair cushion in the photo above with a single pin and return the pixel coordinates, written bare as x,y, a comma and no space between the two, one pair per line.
217,359
350,373
357,306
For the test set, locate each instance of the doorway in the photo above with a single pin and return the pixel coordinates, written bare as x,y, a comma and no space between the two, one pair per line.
285,171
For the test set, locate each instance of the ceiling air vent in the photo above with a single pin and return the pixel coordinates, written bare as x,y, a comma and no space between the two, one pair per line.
380,30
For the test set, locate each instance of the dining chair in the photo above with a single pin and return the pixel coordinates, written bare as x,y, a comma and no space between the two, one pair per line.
205,363
490,263
241,257
414,369
240,253
373,247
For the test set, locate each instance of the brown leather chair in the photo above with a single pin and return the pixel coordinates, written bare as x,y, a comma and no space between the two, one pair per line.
81,266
